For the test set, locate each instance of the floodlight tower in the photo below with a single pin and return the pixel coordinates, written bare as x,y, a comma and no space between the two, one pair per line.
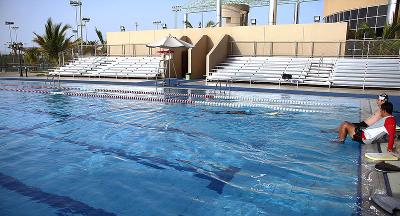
16,37
86,20
76,4
9,26
156,23
176,9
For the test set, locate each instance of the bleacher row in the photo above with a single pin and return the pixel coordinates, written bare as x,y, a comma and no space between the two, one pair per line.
382,73
134,67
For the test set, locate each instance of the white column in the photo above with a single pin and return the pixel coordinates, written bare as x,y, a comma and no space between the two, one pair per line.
296,12
219,13
185,18
272,12
391,11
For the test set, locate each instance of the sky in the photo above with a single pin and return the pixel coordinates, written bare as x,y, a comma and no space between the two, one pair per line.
31,16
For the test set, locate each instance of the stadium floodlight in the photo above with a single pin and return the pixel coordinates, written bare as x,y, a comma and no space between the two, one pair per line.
15,29
156,23
86,20
76,4
9,26
176,9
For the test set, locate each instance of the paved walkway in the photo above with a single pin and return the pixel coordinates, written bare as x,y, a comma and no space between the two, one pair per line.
371,181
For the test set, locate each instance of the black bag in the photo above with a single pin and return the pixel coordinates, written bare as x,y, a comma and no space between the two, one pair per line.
286,76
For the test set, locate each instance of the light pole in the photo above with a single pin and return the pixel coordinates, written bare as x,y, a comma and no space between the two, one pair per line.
86,20
76,4
176,9
15,28
156,23
19,46
9,26
75,33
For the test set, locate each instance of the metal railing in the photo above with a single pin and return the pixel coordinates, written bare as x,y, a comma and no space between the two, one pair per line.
336,49
116,50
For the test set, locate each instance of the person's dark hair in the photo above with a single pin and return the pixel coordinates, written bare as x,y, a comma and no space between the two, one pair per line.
388,107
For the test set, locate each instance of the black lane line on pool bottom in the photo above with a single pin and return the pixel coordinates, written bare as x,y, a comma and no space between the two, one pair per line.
64,204
216,184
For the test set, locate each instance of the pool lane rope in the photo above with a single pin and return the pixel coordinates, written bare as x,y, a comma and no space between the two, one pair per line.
32,86
272,100
204,103
153,93
185,95
103,96
115,90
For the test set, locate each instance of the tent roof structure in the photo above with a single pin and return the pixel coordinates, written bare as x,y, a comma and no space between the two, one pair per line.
198,6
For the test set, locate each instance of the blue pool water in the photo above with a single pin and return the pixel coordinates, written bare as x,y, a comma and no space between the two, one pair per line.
89,155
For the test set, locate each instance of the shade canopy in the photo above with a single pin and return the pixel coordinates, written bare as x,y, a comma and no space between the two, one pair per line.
170,42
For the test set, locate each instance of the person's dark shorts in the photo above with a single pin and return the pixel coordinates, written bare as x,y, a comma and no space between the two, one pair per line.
358,136
361,125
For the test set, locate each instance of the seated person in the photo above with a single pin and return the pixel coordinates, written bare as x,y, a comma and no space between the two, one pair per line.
376,116
386,125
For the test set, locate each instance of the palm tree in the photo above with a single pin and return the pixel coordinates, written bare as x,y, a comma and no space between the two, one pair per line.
32,55
211,24
54,40
384,45
390,31
102,41
188,24
100,36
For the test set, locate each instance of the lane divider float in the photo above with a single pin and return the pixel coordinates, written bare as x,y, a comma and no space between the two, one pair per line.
272,100
32,86
103,96
153,93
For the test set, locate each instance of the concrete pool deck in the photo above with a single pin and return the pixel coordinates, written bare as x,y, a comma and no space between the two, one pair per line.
372,181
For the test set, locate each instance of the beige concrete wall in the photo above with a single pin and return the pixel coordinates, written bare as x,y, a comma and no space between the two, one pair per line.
197,58
288,33
217,54
335,6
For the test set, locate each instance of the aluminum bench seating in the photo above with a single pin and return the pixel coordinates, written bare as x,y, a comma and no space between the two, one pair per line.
138,67
367,73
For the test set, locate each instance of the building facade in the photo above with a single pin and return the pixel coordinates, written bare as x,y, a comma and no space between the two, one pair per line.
376,13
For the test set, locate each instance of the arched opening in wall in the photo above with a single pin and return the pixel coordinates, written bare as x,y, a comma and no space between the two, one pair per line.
185,67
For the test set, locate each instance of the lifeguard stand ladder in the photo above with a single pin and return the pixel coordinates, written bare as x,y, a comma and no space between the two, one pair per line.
164,66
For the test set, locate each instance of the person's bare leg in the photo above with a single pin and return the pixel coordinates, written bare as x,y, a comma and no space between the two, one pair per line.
346,128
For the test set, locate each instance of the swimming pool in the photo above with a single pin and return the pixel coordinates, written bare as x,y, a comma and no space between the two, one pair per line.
117,150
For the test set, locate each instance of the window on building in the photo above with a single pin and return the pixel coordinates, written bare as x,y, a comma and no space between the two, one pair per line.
382,10
381,21
353,24
372,11
354,14
347,15
371,21
362,12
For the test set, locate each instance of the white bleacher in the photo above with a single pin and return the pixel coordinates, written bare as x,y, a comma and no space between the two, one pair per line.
382,73
270,70
130,67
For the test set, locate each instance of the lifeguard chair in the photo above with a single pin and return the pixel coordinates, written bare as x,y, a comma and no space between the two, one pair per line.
165,66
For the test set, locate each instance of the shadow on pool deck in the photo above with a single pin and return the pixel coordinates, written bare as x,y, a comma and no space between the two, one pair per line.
369,187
